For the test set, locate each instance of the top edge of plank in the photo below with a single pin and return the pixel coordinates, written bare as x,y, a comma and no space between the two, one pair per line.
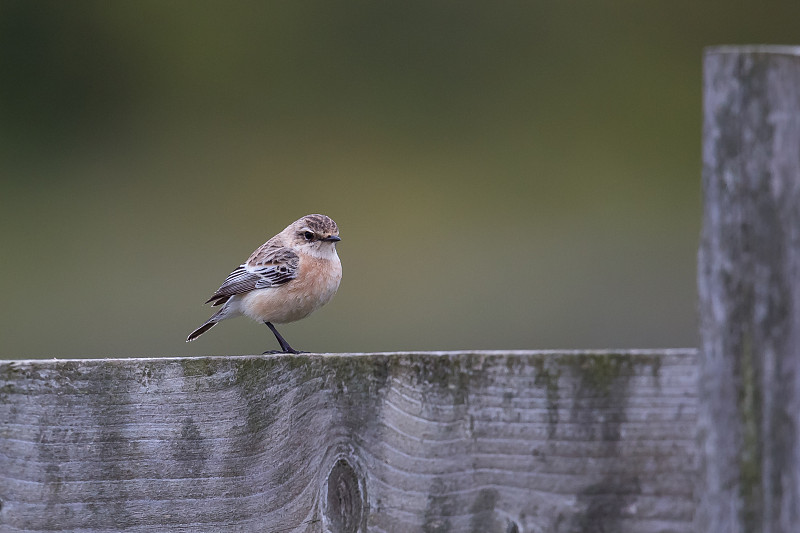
773,49
517,353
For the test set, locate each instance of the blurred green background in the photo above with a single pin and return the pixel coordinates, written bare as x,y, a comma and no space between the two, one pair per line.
504,174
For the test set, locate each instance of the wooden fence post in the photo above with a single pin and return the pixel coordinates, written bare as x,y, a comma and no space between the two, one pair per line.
749,285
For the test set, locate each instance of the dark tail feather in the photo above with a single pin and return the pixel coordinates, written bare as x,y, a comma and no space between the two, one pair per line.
210,323
218,300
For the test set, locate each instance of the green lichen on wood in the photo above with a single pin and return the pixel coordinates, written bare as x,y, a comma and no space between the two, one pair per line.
440,373
547,377
655,368
601,372
9,376
749,404
248,371
444,371
361,373
197,366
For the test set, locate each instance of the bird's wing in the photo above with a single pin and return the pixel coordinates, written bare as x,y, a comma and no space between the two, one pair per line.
269,266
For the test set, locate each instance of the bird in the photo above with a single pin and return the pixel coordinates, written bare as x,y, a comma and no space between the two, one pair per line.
284,280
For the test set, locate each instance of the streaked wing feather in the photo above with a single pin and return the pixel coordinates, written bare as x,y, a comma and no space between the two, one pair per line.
267,267
237,282
275,275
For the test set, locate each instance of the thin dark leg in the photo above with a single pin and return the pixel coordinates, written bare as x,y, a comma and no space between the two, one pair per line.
284,345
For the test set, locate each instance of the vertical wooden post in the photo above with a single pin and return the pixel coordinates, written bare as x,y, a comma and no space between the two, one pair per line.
749,285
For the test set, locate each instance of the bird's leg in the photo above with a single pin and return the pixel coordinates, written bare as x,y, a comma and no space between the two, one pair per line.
284,345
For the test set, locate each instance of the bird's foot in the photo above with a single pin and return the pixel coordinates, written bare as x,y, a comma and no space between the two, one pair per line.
290,351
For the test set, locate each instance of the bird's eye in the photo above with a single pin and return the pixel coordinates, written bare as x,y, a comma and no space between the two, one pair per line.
308,236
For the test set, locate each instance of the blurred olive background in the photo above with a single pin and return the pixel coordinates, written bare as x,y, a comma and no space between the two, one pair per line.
504,174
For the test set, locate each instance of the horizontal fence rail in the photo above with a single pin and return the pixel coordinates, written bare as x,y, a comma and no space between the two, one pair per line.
522,441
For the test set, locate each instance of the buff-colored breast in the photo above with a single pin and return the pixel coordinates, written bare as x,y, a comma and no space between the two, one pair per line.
316,282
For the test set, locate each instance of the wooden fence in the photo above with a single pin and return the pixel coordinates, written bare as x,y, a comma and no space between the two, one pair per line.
481,442
591,441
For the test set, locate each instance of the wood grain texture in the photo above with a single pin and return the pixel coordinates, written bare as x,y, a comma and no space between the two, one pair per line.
560,442
749,285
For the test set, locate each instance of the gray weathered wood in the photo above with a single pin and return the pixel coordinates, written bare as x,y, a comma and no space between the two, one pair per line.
560,442
749,284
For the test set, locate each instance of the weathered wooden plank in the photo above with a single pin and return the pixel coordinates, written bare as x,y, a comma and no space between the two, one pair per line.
749,284
475,441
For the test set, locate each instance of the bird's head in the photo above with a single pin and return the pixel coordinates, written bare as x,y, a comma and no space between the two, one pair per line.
314,234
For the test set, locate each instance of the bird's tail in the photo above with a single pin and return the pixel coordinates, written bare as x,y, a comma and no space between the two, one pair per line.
228,311
210,323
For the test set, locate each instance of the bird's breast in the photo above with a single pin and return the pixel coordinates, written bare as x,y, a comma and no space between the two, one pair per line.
316,282
317,277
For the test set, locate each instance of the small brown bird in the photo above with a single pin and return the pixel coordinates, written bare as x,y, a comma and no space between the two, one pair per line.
287,278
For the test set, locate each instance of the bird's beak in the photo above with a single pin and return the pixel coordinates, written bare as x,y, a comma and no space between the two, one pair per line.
332,238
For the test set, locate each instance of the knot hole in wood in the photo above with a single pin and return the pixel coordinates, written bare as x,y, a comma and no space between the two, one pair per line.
344,500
